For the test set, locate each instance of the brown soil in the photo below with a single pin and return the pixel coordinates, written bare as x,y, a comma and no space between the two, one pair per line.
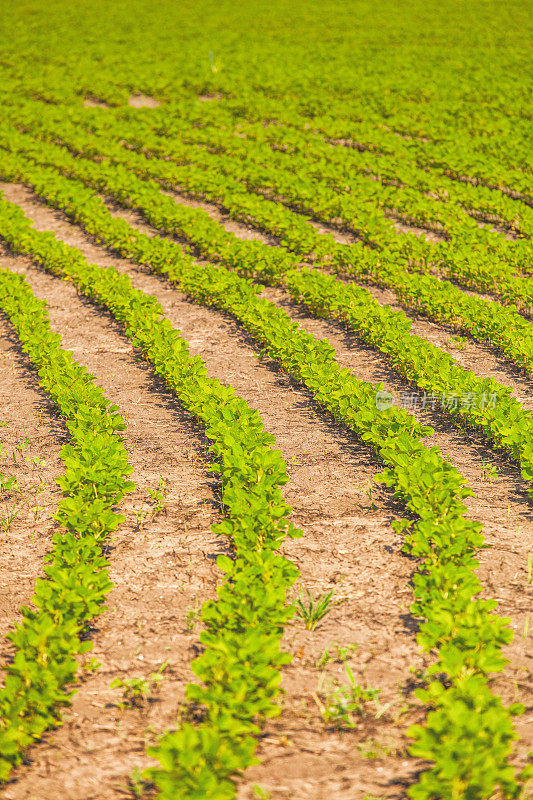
431,234
95,102
503,189
167,566
493,222
143,101
240,229
345,236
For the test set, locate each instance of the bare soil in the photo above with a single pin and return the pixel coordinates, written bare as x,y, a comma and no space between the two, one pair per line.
95,102
143,101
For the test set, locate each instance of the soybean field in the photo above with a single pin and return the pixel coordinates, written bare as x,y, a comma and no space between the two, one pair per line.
266,410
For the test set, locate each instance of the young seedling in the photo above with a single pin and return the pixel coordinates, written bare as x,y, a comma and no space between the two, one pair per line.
22,449
158,496
459,342
7,519
191,617
139,518
373,506
37,491
324,659
489,472
260,793
372,749
313,609
8,483
529,568
137,690
263,353
136,783
91,665
367,490
403,709
343,653
343,704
